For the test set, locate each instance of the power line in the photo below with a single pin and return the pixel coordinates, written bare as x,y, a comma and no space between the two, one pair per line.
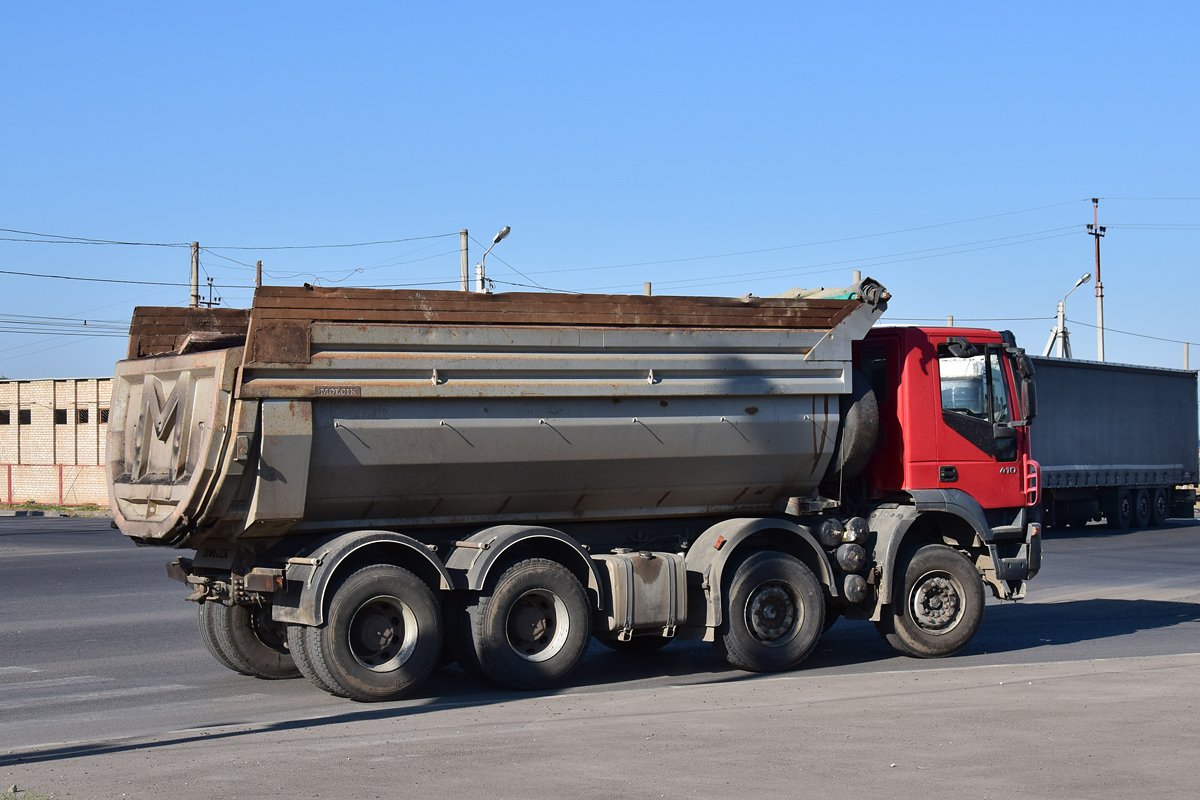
815,268
510,266
810,244
326,246
1131,333
104,280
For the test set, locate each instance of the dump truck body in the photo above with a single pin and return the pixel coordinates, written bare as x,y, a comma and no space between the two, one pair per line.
374,482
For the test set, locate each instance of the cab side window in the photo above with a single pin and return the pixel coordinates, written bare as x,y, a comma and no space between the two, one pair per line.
963,387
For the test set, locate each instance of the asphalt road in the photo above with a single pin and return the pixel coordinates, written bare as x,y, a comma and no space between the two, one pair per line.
1088,688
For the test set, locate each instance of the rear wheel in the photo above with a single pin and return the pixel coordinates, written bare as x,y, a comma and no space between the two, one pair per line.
941,607
253,643
532,629
774,614
382,635
298,636
1143,507
1120,516
208,635
1160,508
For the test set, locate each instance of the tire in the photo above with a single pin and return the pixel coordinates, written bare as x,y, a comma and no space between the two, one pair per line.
1120,516
1143,507
298,643
208,635
941,607
1160,508
774,613
382,635
638,645
252,642
531,629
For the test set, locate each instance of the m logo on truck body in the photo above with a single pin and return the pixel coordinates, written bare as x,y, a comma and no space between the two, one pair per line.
162,419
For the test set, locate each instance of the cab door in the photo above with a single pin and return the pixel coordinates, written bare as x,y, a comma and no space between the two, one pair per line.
978,451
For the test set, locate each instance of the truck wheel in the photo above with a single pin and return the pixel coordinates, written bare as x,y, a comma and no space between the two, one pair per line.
1143,507
941,607
208,635
253,643
638,645
1120,516
1160,508
532,629
774,615
298,644
381,637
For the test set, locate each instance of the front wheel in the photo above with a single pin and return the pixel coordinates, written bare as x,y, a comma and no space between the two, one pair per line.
941,607
381,638
532,629
774,614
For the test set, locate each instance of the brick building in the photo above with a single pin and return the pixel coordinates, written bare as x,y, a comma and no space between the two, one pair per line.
52,440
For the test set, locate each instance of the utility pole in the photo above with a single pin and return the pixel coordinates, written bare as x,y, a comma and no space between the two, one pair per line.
1097,230
195,299
464,267
258,275
646,289
949,320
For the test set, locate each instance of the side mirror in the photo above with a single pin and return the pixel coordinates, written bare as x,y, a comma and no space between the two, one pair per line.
1029,398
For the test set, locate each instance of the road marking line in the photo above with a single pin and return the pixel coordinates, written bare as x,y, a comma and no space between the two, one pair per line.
47,682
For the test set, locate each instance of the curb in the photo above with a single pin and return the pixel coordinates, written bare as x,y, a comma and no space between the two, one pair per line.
31,514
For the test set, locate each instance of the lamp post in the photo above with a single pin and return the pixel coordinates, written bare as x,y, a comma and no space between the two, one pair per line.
480,277
1060,333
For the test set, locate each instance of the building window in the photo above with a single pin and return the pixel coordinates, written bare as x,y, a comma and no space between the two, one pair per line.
23,417
104,416
60,416
4,416
82,416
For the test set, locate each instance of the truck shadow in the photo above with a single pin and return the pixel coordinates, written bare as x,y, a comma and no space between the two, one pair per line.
850,646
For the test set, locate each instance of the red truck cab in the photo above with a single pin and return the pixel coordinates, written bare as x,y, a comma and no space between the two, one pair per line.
954,412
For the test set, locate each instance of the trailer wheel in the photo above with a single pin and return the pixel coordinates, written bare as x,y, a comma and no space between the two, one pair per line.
532,628
298,636
253,643
1143,507
1120,516
774,616
1160,508
382,635
941,608
638,645
208,635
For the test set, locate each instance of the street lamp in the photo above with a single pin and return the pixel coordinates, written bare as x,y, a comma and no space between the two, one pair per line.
480,279
1060,333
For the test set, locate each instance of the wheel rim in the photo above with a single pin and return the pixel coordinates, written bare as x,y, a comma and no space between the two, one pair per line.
1126,511
538,625
383,633
1160,506
773,613
937,603
267,631
1143,507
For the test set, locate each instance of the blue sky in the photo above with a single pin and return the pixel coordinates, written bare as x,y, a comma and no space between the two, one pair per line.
809,140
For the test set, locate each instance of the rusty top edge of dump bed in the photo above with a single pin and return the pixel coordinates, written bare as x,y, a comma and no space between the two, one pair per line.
161,330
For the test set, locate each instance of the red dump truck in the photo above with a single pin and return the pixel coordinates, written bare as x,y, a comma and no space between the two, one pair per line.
375,483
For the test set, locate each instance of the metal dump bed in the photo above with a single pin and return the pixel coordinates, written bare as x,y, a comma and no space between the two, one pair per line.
359,408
